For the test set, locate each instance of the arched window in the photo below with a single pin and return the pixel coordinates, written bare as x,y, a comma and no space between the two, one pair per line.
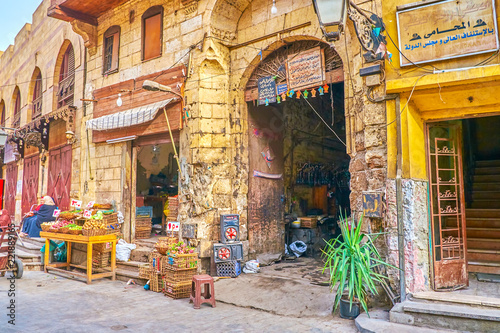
17,108
66,90
37,96
152,32
2,116
111,47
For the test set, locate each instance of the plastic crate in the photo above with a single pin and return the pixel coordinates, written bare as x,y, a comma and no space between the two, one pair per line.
228,268
145,211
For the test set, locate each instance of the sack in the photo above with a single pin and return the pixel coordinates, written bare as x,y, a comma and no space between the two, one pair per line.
123,250
298,248
251,266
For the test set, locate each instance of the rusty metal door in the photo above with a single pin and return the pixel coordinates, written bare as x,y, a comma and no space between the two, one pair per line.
11,189
30,182
448,234
266,227
59,183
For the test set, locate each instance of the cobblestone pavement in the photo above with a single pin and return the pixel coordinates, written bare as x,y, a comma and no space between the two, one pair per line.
50,303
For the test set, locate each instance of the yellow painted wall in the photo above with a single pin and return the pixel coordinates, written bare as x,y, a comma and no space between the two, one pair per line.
467,91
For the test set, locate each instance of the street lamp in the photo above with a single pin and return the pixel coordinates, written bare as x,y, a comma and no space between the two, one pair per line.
331,15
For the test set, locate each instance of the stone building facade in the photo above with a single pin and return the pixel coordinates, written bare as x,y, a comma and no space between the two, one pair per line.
215,47
40,98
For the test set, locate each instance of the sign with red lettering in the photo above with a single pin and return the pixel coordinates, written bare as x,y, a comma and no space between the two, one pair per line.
87,214
56,213
173,226
76,203
90,204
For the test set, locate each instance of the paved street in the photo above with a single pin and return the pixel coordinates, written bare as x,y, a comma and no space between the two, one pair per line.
49,303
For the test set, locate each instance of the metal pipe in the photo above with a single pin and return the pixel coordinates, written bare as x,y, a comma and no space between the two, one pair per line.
399,203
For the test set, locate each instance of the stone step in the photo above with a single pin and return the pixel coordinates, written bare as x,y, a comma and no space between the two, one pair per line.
457,298
132,266
494,178
483,243
483,232
483,222
487,170
28,247
488,163
485,195
480,213
483,255
483,266
140,254
33,266
378,322
485,204
28,257
478,186
439,315
125,275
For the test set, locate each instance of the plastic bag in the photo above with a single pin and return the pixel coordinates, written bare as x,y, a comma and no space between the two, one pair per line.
123,250
298,248
61,253
251,266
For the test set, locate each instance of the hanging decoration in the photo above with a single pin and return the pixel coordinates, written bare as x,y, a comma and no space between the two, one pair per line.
305,94
298,94
321,91
313,93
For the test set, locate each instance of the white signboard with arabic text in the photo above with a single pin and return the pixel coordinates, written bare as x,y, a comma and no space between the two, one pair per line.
306,69
447,29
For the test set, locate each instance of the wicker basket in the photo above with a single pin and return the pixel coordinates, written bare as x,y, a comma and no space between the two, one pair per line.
51,229
75,232
142,234
144,271
155,282
63,230
179,276
101,260
94,232
177,291
155,261
177,261
45,227
102,247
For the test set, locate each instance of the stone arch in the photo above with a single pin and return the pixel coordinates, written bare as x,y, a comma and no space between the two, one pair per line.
15,107
35,82
225,17
2,113
58,68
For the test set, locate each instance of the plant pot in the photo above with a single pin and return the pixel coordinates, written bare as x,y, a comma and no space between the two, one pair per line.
346,311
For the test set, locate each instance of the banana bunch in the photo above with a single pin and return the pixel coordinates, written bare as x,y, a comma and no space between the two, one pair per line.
94,225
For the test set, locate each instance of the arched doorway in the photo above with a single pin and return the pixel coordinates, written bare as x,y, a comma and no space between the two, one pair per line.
298,165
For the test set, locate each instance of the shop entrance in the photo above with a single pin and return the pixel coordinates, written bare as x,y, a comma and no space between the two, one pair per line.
464,171
297,157
156,183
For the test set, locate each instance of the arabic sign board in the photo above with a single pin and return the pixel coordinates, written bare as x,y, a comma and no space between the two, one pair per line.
306,69
173,226
447,29
267,90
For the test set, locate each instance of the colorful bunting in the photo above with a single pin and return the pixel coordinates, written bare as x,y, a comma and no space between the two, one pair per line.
298,94
313,92
305,94
321,91
283,97
326,87
278,99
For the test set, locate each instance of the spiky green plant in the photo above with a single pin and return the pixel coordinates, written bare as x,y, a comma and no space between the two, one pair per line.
351,264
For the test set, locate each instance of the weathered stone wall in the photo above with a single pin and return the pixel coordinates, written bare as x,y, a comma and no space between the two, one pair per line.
416,234
37,45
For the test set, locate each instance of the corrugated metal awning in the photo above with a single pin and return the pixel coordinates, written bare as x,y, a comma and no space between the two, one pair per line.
135,116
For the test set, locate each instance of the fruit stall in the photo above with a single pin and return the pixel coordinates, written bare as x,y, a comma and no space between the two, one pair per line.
97,228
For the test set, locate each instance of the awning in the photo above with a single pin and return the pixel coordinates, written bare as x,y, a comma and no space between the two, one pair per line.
127,118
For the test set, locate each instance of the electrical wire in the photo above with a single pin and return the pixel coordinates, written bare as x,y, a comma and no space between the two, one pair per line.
324,122
408,101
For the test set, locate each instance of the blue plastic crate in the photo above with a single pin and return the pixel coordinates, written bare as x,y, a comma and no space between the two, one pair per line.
229,268
145,211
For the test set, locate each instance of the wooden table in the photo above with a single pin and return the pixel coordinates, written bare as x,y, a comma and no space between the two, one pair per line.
89,240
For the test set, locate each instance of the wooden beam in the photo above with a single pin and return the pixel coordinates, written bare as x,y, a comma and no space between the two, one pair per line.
68,15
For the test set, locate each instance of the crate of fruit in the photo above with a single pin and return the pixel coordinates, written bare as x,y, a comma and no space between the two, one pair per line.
179,261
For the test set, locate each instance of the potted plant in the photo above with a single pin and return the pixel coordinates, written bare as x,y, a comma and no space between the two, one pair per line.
351,258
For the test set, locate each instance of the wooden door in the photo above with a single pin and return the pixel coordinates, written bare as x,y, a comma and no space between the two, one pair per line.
11,189
448,236
59,183
266,229
30,182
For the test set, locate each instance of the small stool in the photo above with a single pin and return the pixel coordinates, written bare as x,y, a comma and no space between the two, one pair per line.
208,294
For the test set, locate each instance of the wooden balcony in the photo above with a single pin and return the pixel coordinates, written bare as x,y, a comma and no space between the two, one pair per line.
83,10
66,91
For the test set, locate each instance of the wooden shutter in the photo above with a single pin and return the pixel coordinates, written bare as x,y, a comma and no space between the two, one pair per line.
152,37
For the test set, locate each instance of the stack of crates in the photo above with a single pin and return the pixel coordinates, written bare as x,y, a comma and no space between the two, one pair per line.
177,274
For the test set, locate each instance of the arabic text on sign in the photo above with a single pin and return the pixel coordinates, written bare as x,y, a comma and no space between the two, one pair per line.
266,89
305,69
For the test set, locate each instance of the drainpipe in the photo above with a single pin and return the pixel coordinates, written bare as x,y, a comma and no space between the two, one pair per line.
399,203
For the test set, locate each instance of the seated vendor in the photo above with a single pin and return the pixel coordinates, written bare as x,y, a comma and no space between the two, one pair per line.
42,213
